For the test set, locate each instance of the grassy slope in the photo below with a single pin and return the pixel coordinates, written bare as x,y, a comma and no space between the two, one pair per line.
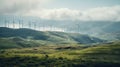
105,55
59,37
17,42
6,43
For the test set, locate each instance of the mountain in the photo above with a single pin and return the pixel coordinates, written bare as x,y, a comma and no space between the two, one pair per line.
108,30
114,27
27,37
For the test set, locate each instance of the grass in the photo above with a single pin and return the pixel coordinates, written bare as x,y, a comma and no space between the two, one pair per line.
105,55
18,42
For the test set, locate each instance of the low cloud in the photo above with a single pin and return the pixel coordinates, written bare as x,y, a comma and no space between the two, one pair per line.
95,14
55,14
33,8
19,6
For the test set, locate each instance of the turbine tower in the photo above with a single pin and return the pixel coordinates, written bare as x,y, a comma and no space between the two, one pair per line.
19,23
22,23
5,23
30,25
35,25
13,24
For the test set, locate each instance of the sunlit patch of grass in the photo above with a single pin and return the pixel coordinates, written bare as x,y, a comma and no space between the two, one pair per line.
106,53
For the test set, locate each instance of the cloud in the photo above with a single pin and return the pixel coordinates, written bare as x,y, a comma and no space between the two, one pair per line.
34,8
95,14
19,6
103,13
55,14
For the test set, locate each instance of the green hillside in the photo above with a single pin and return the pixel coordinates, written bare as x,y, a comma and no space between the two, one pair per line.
18,38
16,42
102,55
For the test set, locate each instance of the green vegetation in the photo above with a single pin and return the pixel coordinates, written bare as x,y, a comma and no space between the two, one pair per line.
30,48
16,42
23,38
102,55
54,37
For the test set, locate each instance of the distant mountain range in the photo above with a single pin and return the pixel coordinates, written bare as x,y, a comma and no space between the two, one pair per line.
108,30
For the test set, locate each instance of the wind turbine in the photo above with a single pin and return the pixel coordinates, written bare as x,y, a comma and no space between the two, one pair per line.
22,23
13,22
29,24
19,23
5,23
35,25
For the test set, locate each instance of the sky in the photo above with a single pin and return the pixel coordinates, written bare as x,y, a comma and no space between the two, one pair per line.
82,4
85,10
